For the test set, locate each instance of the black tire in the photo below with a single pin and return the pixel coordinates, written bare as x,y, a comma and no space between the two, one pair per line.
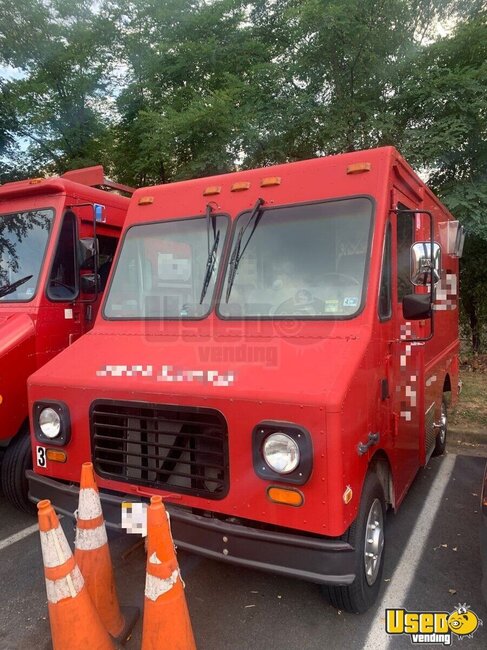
16,461
440,444
360,595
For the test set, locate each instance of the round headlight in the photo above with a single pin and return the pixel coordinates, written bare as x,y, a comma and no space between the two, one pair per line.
50,422
281,453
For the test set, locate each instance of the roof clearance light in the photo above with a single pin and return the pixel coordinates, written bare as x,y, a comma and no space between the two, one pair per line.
270,181
359,168
213,189
35,181
146,200
240,187
285,496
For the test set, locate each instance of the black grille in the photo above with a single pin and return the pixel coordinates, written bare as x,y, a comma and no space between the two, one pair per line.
174,448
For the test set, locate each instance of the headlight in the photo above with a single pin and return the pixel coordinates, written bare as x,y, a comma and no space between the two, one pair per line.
50,423
281,453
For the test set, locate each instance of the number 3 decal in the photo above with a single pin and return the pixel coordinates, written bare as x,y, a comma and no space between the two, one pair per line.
41,457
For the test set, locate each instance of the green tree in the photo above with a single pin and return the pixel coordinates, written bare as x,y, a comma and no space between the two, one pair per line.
441,109
59,101
183,106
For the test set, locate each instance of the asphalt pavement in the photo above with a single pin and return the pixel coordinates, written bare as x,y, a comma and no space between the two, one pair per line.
432,563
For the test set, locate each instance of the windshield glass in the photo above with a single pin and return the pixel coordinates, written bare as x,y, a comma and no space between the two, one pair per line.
163,269
302,261
23,239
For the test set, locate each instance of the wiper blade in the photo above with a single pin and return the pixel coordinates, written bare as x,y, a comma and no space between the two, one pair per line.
211,259
210,267
10,288
236,254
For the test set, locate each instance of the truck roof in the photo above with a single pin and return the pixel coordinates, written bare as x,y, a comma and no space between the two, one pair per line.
294,182
88,179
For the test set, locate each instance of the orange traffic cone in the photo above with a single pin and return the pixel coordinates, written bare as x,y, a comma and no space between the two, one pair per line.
93,558
75,623
166,617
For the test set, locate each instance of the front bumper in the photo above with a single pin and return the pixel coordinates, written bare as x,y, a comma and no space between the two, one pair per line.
314,559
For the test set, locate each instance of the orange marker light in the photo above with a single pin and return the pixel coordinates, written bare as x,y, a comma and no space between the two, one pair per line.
286,496
213,189
35,181
347,495
57,455
146,200
240,187
270,181
359,168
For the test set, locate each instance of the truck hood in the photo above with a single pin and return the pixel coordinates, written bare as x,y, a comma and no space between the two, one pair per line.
308,370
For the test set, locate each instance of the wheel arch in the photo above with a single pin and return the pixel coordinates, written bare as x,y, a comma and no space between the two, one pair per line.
381,466
23,429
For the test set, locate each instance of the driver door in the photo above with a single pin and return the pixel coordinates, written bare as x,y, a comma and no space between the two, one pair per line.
407,356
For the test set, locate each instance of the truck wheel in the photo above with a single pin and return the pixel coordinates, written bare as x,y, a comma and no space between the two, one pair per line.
17,460
366,535
440,444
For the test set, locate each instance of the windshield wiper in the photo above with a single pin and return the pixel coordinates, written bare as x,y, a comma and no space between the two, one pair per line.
211,260
236,256
10,288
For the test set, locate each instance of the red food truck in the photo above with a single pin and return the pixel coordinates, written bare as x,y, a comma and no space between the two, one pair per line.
49,292
273,356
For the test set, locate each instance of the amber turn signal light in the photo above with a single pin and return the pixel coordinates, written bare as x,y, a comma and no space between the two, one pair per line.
56,455
286,496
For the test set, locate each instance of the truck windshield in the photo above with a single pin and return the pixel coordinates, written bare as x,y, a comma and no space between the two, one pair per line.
305,261
23,240
164,271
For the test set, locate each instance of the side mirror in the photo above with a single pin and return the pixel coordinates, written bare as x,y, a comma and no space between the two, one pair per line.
421,269
416,306
87,251
90,283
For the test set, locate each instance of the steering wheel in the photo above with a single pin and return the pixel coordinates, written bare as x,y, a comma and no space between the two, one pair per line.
61,284
302,304
349,278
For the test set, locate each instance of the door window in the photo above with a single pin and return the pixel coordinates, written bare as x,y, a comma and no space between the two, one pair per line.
63,279
385,292
405,239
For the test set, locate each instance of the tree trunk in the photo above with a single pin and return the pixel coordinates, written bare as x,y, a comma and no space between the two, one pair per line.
474,328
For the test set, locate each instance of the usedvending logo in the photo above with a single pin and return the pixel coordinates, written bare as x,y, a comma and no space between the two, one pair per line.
433,628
